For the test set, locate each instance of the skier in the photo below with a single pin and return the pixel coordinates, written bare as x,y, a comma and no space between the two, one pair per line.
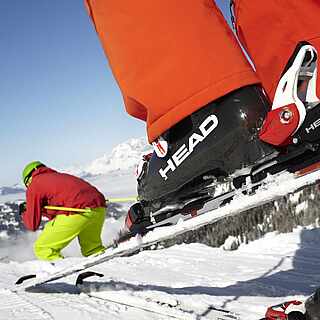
47,187
181,70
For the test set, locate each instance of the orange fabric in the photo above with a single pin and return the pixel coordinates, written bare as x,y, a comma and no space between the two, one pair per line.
170,57
271,30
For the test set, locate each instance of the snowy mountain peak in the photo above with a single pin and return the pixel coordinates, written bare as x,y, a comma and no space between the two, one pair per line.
123,157
11,190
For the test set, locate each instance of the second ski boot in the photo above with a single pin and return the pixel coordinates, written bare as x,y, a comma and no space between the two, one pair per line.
296,310
295,111
291,310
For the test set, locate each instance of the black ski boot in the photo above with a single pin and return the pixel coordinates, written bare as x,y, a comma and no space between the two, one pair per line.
136,221
237,138
216,142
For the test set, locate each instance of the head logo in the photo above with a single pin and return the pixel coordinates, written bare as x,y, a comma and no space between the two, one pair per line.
206,127
313,126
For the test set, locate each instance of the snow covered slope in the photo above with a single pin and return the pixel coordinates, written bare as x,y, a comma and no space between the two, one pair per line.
188,277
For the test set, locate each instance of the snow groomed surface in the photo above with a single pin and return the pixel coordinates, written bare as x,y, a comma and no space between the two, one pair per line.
274,188
187,277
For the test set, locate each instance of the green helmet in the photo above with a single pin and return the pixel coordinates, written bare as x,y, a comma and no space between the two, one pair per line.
29,168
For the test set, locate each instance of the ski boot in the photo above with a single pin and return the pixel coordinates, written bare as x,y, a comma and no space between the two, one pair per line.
295,112
234,139
291,310
218,141
136,221
294,120
296,310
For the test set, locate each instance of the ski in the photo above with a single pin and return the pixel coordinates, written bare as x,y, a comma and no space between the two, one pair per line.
128,296
272,189
156,308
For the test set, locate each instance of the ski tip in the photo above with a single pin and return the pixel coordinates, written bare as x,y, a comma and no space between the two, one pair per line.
24,278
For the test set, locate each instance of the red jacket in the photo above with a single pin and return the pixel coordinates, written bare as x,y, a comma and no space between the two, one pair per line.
49,187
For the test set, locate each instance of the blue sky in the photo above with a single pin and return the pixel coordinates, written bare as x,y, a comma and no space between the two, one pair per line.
59,102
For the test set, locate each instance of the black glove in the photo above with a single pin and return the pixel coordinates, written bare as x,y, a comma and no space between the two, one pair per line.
22,208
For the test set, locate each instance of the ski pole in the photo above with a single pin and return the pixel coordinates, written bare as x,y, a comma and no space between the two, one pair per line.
118,200
111,200
67,209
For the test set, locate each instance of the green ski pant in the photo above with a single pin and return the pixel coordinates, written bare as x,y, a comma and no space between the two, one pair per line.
60,231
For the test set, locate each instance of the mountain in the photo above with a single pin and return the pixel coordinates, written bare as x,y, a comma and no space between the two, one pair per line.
11,190
123,157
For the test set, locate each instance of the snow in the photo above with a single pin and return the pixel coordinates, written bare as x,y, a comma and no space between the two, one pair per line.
12,197
4,235
231,243
183,278
264,272
115,185
123,157
301,207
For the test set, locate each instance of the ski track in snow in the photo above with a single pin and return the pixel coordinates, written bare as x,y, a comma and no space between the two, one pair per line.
16,306
48,305
186,278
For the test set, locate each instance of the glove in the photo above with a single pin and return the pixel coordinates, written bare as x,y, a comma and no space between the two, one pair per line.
22,208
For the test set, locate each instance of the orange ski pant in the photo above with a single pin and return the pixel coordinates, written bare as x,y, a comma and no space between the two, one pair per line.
270,31
169,57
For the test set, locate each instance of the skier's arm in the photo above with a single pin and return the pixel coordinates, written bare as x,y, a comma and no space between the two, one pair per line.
32,216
